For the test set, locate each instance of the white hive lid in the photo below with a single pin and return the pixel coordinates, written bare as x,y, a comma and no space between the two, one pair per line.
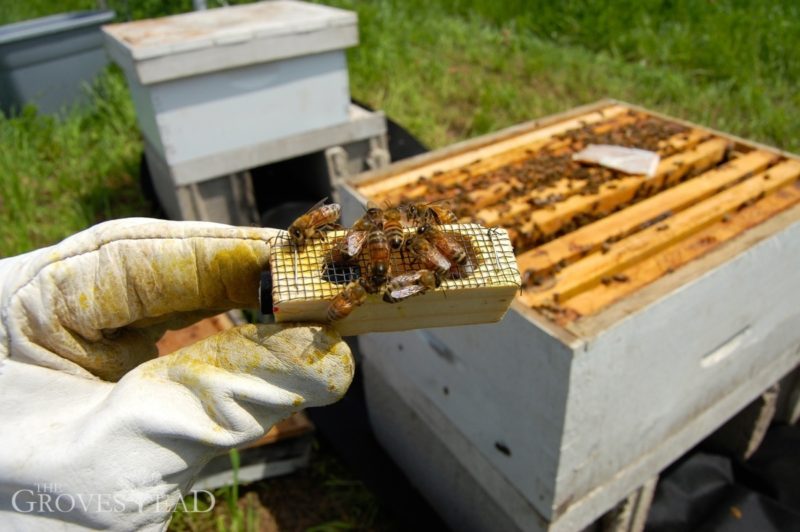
233,36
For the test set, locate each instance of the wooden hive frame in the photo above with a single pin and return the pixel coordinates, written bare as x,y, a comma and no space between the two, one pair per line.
304,283
595,250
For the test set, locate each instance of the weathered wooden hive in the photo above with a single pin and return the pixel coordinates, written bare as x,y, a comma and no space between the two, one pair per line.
653,309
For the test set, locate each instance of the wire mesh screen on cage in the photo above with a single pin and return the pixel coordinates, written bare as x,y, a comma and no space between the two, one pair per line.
480,289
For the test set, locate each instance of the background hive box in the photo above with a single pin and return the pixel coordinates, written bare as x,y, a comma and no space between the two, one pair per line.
209,85
50,61
656,308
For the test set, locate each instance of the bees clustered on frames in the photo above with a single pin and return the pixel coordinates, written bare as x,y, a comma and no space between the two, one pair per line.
375,235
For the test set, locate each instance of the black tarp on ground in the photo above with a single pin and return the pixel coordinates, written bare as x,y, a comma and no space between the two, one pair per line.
704,491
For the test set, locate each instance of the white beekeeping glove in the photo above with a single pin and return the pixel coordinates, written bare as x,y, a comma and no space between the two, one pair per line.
79,449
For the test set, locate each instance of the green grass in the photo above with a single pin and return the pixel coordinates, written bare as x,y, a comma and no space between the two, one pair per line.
232,518
18,10
446,70
450,72
60,176
709,40
325,497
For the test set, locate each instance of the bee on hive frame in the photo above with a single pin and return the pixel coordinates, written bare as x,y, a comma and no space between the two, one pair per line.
427,254
379,257
310,224
447,244
353,295
430,213
410,284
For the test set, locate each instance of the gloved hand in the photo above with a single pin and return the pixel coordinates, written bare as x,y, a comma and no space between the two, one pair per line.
77,448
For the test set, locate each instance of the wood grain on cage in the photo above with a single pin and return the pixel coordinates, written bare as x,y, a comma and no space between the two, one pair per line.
483,293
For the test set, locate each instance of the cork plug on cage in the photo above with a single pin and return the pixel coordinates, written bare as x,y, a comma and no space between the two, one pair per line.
305,281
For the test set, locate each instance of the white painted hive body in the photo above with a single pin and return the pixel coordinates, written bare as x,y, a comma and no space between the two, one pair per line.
210,84
555,414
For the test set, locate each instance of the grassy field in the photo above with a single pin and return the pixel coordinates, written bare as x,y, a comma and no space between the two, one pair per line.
57,177
325,497
460,68
446,70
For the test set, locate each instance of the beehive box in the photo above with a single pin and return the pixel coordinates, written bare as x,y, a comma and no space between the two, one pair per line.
49,61
211,86
654,309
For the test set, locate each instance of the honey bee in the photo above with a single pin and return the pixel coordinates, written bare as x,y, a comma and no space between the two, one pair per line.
346,249
410,284
338,253
428,213
310,224
357,235
393,227
379,255
426,253
446,243
346,301
374,215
